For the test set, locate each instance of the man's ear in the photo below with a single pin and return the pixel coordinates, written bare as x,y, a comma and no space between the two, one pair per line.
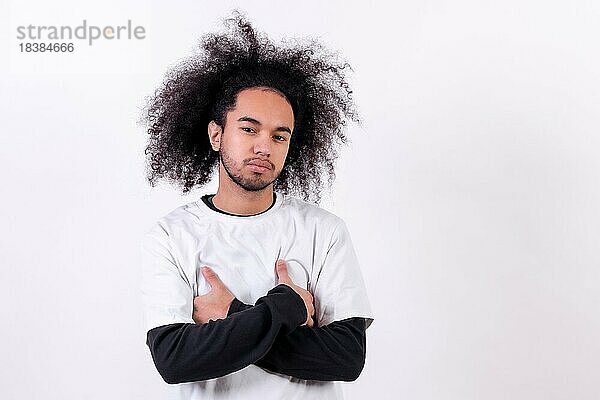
214,135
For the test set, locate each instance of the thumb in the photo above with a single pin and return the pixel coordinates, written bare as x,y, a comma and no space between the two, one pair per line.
282,272
211,277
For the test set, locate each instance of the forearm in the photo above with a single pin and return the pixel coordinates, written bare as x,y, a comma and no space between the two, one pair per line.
335,352
189,352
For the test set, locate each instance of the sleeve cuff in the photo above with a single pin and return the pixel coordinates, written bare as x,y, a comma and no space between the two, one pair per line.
286,305
235,306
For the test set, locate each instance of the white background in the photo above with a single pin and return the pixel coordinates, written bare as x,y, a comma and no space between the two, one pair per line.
471,192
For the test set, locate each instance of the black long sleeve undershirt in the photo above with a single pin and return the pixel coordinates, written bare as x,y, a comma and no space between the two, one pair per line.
183,353
186,352
335,352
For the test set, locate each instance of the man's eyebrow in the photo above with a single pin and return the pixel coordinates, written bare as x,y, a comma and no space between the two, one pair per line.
249,119
254,121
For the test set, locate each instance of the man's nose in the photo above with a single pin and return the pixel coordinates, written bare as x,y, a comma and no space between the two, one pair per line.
262,145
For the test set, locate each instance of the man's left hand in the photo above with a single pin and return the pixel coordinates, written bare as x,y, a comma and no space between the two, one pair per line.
215,304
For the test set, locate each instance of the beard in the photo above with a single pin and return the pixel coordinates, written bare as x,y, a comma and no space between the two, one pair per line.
253,183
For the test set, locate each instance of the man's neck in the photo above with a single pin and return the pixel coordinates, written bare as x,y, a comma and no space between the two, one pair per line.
234,199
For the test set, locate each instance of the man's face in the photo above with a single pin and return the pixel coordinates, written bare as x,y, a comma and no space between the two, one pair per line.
256,138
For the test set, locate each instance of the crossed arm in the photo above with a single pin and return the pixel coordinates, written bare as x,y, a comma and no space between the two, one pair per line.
329,353
276,334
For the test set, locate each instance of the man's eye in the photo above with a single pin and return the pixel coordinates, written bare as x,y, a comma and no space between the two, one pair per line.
246,129
279,138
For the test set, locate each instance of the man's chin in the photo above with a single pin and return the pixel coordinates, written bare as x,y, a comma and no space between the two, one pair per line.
255,185
253,182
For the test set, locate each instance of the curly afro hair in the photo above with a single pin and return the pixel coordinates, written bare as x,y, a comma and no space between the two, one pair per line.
204,87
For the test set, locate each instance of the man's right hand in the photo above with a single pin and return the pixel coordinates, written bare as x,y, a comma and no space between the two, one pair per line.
284,278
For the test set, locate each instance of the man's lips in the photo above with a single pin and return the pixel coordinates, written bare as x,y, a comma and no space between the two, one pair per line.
258,165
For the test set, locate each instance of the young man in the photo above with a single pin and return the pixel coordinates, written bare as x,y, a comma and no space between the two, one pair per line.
252,293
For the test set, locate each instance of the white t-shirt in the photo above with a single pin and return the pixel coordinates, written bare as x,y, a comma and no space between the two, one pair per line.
242,251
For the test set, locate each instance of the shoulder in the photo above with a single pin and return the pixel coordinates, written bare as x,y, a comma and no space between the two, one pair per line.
177,219
312,213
